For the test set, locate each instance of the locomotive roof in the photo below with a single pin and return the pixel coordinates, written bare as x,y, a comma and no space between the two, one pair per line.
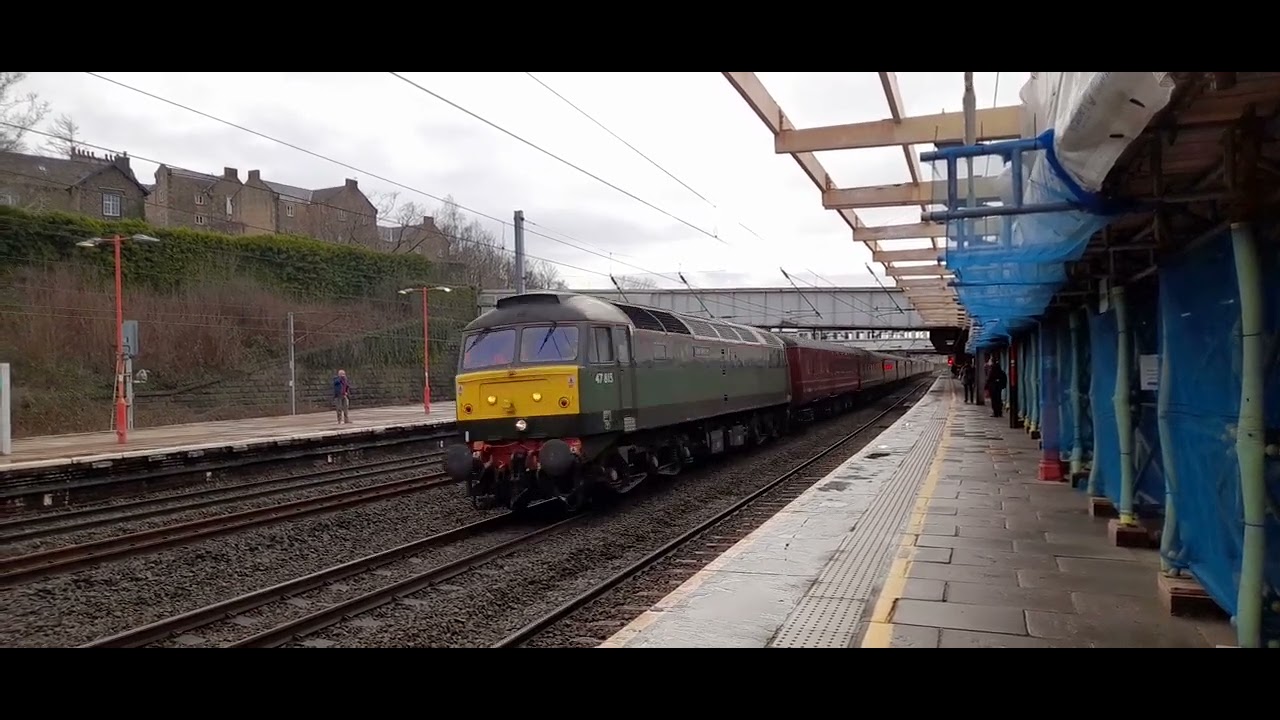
549,306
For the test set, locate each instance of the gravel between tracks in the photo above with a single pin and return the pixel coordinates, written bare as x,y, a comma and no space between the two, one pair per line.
230,505
483,606
78,607
477,608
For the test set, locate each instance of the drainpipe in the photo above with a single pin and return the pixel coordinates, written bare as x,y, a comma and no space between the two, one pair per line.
1050,454
1024,376
1124,419
1094,402
1077,407
1169,538
1033,411
1250,442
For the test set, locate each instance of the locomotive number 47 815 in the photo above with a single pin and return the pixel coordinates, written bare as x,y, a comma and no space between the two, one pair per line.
604,378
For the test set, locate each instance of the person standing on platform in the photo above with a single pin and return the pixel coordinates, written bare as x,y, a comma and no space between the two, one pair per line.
342,397
996,380
968,376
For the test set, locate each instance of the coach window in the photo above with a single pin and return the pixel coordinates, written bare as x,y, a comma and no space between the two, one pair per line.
601,345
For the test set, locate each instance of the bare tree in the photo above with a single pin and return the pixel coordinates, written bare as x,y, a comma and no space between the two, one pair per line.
636,282
18,112
66,137
471,254
487,262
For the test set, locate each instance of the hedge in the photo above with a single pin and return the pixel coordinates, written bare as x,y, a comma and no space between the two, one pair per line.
296,266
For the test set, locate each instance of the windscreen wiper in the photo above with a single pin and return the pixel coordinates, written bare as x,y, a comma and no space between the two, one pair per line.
547,337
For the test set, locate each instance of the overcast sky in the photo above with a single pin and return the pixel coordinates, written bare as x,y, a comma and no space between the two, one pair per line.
693,124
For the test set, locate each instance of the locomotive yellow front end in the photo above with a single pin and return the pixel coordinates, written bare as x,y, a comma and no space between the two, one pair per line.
492,402
519,404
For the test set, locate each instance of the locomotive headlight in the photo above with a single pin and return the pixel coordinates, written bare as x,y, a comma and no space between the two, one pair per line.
537,397
491,400
521,425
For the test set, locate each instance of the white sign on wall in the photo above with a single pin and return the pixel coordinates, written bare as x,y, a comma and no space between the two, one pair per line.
1148,372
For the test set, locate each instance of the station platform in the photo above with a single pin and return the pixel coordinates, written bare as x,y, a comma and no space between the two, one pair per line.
54,451
936,534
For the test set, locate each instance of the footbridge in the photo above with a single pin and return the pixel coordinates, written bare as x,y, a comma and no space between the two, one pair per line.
872,318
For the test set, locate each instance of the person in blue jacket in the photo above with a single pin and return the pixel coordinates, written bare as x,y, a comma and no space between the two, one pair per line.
342,396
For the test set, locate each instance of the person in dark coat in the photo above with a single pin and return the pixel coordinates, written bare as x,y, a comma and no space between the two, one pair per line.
968,377
996,381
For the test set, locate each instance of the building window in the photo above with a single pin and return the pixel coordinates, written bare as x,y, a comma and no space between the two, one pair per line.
7,199
288,209
229,208
199,198
111,203
342,216
200,220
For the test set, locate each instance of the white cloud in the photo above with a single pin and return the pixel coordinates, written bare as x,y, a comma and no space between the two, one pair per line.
693,124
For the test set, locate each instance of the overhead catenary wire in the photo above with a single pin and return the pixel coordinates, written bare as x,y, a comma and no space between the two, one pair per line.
556,157
461,207
407,187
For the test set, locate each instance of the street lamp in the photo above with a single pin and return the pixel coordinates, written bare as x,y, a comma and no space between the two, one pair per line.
122,412
426,341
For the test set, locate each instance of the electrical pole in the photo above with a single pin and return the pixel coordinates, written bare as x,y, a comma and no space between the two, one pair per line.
6,400
293,378
519,226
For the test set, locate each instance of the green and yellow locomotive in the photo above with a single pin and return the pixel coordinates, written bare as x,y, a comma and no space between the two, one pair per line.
559,393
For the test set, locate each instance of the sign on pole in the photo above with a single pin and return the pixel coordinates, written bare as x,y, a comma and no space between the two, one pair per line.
131,338
6,399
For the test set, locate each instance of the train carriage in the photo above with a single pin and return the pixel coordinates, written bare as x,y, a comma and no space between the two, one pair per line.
559,394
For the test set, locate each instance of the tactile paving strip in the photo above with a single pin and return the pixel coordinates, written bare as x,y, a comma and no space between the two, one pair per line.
829,614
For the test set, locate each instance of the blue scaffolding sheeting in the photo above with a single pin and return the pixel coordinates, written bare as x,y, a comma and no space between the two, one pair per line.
1009,253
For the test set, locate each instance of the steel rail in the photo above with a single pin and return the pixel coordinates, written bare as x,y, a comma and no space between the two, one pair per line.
70,557
537,626
334,614
318,478
201,617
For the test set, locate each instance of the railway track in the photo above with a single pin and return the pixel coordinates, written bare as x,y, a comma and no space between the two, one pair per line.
71,557
298,627
87,518
731,524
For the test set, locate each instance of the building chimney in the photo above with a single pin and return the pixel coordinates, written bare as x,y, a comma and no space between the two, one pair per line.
352,184
255,176
230,173
122,161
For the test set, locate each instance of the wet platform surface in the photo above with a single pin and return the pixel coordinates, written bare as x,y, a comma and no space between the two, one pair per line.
937,534
53,450
992,557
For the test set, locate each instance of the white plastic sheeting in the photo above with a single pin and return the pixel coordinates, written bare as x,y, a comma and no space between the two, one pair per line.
1095,116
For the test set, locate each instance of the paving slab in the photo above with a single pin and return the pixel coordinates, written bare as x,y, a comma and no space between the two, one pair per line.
1028,567
804,578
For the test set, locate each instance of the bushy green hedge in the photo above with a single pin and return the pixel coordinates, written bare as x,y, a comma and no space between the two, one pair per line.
296,266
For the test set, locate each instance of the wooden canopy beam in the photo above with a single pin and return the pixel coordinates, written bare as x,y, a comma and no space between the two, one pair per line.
986,189
999,123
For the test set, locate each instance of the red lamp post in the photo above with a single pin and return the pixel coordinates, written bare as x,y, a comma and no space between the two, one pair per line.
122,410
426,341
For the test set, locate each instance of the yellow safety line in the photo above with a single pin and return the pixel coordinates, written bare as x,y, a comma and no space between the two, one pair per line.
880,628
